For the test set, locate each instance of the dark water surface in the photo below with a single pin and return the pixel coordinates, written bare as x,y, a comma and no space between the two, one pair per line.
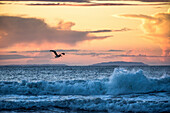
84,89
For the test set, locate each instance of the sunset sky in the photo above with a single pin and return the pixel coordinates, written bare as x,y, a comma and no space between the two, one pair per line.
87,31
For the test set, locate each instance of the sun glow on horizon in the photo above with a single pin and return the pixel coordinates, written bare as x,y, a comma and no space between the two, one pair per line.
88,29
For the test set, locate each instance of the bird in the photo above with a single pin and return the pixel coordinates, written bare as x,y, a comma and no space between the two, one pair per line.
57,55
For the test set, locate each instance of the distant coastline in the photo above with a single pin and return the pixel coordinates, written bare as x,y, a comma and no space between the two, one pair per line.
116,63
120,63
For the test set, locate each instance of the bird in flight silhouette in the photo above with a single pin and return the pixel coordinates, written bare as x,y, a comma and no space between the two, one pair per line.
57,55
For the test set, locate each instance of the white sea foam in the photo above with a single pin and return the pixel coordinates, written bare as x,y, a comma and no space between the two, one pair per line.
123,82
124,91
120,82
124,103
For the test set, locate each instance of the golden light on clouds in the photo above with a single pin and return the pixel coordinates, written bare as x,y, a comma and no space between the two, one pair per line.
28,30
157,28
64,25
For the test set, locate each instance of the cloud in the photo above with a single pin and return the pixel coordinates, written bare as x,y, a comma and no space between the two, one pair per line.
153,0
16,30
86,4
91,53
64,25
47,54
16,56
45,57
39,61
93,4
53,0
154,60
107,30
139,55
12,52
2,3
89,3
35,51
113,50
156,28
96,52
90,0
100,31
121,30
68,51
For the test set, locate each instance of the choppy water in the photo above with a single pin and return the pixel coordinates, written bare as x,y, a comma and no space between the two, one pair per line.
84,89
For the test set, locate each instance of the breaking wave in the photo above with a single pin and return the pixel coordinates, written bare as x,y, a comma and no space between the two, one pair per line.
121,81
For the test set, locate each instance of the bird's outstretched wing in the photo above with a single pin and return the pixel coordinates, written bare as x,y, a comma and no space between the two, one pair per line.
63,53
54,52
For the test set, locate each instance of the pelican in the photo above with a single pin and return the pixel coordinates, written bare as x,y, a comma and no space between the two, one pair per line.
57,55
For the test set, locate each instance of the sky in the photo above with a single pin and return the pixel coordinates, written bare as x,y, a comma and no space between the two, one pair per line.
88,31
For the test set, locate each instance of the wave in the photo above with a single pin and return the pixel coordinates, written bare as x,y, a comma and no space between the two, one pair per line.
121,81
152,103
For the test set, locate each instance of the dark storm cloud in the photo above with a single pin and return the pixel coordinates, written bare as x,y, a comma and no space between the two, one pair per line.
15,30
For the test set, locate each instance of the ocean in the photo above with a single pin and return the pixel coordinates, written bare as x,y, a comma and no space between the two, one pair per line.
84,89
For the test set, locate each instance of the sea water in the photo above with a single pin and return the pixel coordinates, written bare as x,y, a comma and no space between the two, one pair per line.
50,88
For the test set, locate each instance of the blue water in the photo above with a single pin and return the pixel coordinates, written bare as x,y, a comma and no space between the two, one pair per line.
84,89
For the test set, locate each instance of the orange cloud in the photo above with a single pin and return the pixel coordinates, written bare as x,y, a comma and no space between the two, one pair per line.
64,25
18,30
157,29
